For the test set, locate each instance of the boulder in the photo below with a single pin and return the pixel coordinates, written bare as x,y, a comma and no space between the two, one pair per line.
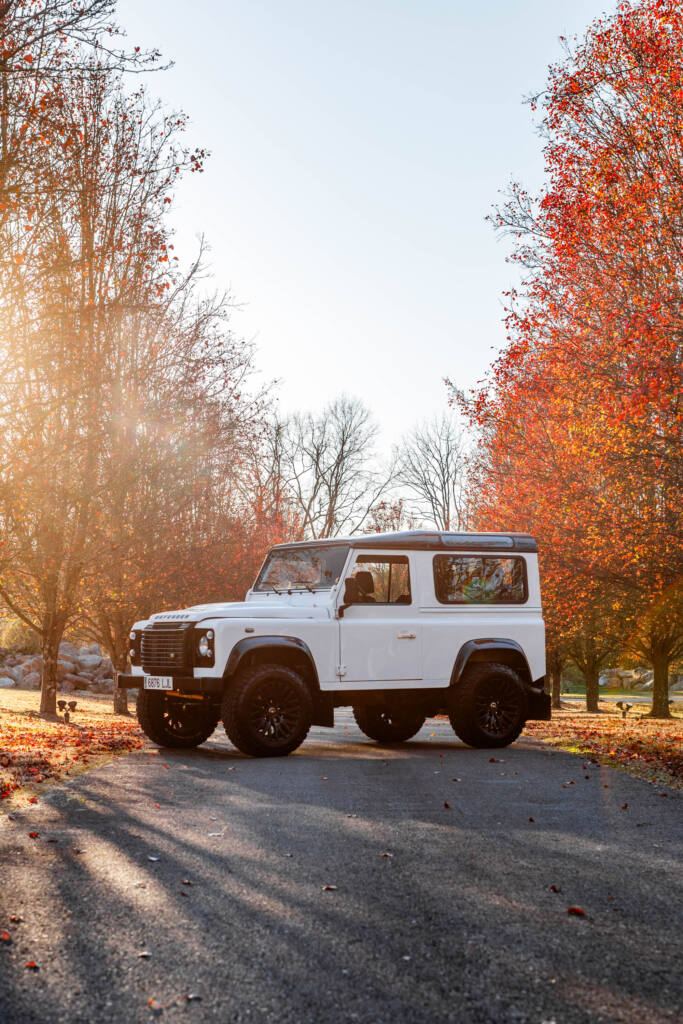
64,668
37,663
32,681
68,649
66,687
6,682
104,686
78,682
14,673
89,661
95,649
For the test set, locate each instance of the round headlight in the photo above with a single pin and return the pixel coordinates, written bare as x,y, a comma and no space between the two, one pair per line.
132,652
209,633
132,634
204,646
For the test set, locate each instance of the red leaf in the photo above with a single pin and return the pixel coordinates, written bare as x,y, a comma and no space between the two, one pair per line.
33,835
576,911
5,936
447,805
32,965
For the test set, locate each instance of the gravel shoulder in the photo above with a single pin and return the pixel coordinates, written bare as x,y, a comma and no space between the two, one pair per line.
222,884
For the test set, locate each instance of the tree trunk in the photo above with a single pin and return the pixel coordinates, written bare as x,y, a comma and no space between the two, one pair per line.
556,685
48,686
660,686
592,676
555,673
119,657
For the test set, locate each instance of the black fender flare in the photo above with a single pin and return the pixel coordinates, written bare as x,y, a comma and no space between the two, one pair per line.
278,644
500,649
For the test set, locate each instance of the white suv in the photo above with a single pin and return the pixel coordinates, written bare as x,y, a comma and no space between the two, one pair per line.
399,626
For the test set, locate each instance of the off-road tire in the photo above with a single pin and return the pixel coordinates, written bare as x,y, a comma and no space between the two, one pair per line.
488,708
173,722
388,726
267,711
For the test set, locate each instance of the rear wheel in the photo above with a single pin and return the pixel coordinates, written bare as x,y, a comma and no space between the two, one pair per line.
389,726
267,711
488,709
174,721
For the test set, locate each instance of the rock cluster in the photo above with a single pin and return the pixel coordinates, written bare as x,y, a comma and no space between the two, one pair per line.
78,668
635,679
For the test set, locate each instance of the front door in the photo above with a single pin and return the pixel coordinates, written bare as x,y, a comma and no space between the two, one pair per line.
380,640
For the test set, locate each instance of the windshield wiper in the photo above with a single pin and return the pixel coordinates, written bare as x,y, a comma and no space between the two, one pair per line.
303,583
278,592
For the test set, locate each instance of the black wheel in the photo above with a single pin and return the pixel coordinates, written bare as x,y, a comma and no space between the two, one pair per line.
267,711
387,726
488,708
174,721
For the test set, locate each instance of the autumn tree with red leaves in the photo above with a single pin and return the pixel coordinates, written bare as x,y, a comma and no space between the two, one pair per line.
581,420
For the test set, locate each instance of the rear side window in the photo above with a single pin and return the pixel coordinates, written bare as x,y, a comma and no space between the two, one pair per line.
479,579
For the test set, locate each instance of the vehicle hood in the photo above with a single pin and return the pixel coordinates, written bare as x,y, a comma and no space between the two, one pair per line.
245,610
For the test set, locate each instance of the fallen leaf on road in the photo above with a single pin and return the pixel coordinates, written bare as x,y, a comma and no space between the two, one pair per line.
447,805
532,819
555,888
149,857
214,834
5,936
186,881
496,760
329,888
323,778
385,854
33,799
576,911
191,997
52,840
32,966
16,918
455,780
33,835
624,806
157,806
154,1005
144,955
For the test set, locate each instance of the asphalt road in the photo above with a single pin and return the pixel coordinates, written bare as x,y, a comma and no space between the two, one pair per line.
459,923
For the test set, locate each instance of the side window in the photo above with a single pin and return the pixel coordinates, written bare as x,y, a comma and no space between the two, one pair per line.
478,579
381,580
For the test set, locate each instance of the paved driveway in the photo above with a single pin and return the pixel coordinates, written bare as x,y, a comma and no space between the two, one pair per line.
440,913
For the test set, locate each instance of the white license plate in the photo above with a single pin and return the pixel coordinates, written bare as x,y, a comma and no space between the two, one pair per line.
158,682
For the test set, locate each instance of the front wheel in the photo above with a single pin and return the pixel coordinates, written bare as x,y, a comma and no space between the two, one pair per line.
488,708
267,711
174,721
387,726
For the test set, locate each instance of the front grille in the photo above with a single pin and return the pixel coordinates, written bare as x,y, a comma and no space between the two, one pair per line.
165,649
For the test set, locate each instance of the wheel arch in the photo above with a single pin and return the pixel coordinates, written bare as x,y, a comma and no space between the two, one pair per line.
283,650
501,650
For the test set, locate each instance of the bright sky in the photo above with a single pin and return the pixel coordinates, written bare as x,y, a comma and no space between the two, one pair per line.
357,147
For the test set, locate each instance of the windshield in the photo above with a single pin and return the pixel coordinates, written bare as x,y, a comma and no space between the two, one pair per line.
304,568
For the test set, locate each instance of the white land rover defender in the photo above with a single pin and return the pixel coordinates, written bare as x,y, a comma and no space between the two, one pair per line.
399,626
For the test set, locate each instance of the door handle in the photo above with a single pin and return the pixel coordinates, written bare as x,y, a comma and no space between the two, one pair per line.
405,636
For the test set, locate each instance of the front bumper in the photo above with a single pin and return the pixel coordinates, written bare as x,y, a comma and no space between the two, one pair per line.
184,684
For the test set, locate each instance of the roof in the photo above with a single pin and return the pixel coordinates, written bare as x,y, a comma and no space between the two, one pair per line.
429,540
